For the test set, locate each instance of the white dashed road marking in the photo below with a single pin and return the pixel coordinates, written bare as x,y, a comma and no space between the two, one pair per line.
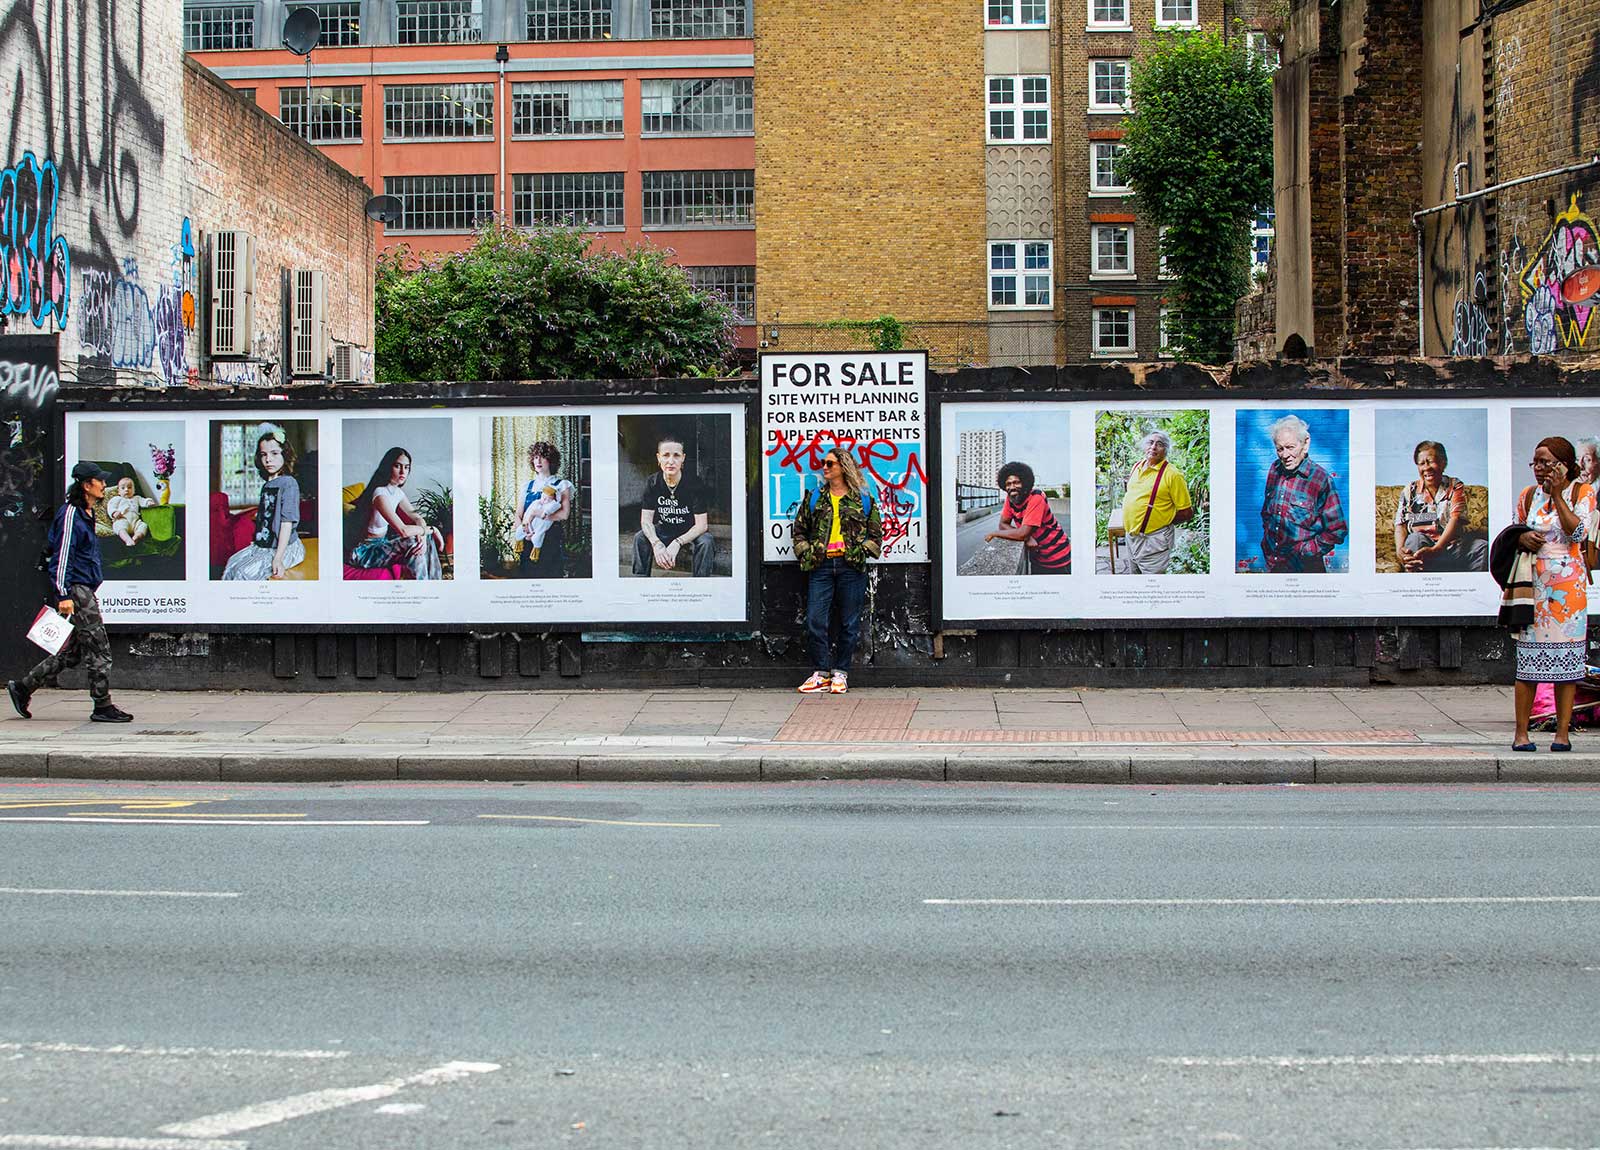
1390,1060
163,1051
88,1142
123,893
1488,900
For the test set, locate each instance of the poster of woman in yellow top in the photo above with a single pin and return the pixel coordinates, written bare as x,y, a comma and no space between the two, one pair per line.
1152,492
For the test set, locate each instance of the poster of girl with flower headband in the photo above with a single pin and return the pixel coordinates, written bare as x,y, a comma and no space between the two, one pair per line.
263,502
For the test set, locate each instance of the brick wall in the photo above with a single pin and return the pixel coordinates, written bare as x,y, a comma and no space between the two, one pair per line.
249,173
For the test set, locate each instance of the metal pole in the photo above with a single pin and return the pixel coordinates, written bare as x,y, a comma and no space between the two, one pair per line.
307,128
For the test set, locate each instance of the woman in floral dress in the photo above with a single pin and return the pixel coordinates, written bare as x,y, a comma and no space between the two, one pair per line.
1556,510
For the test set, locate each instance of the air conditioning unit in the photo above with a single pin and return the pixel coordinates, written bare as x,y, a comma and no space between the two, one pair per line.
309,311
233,293
346,363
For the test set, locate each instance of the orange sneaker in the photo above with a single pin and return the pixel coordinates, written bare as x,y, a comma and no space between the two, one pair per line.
819,681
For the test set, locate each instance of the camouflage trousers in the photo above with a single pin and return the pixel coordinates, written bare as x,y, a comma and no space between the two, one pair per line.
89,645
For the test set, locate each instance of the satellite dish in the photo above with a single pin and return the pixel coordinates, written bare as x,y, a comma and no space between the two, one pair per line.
384,209
302,31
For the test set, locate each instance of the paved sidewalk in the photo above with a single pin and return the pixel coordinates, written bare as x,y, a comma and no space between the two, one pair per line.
1440,734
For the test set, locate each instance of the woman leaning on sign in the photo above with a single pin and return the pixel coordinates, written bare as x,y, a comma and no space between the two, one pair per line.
836,530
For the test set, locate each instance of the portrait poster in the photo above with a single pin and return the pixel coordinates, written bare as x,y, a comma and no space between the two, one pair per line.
1431,468
143,523
871,404
1292,491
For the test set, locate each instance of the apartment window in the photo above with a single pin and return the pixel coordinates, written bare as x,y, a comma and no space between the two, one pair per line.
687,20
1113,331
1175,12
1020,274
439,21
717,106
1261,48
1104,14
219,28
567,199
335,113
700,199
1262,231
1167,333
1112,250
1014,100
1108,85
568,19
1017,14
438,112
1105,167
735,283
1162,269
441,203
566,108
341,22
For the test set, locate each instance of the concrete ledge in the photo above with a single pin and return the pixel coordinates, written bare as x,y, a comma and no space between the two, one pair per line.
656,769
112,765
1224,769
24,764
1025,769
318,768
1547,768
786,768
489,768
1446,768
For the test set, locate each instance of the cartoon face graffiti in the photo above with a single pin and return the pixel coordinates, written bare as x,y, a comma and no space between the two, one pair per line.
1561,282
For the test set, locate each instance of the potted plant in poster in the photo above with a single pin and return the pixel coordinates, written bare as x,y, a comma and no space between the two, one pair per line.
437,505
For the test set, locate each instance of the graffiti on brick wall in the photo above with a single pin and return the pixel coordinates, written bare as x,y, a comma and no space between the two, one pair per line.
1560,285
1471,327
1585,91
183,272
237,373
170,334
28,387
27,384
1507,61
115,319
35,263
1511,262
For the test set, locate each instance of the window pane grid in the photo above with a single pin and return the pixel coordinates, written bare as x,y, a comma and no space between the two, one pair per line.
1113,250
1017,13
1108,12
1113,329
439,21
567,199
699,199
1035,286
1107,160
438,111
1109,83
219,28
688,20
1176,12
567,108
568,19
1009,96
341,22
723,105
441,203
736,284
335,113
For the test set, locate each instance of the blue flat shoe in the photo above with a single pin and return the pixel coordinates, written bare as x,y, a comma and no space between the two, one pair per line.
1524,746
1561,746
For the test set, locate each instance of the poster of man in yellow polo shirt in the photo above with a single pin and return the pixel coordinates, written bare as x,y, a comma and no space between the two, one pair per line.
1153,475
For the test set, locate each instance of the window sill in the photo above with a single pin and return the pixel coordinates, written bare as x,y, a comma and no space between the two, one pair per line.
1033,307
1108,28
1019,143
1110,193
1099,276
739,135
1045,27
1108,109
577,227
570,136
1128,354
750,227
388,140
1176,25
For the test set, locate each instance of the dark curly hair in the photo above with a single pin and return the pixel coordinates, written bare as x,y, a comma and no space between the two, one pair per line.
289,457
1021,470
549,452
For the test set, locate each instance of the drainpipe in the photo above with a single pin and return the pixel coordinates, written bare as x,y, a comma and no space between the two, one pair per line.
501,55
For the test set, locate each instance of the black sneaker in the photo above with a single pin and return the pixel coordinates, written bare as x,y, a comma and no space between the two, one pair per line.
110,713
19,698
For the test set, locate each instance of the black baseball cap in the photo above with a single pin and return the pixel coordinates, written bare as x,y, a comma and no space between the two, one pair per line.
84,470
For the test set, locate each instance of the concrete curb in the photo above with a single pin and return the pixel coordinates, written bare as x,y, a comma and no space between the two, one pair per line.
1226,766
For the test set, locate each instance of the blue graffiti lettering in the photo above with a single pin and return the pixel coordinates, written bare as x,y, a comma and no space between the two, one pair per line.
35,263
133,324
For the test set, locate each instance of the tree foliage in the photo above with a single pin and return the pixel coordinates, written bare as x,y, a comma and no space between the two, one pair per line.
543,305
1198,154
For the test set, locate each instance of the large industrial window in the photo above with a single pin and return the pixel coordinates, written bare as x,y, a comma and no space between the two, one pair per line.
341,22
567,108
441,203
737,284
567,199
700,199
716,106
568,19
439,21
690,20
438,112
335,113
220,28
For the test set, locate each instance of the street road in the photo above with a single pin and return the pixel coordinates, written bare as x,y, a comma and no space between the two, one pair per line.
883,965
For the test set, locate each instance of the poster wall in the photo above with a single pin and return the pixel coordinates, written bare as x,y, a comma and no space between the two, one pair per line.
516,517
872,404
1234,509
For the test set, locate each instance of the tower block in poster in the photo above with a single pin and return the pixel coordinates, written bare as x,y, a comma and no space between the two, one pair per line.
872,404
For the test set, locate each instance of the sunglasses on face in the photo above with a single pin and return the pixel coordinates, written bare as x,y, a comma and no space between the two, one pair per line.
830,463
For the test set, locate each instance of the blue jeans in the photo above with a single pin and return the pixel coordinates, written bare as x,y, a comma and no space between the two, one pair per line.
835,582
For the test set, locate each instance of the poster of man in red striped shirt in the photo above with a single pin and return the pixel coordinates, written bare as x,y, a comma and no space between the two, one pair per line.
1013,493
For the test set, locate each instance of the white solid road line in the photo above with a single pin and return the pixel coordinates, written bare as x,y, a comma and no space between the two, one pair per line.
164,1051
1492,900
1297,1063
238,822
299,1105
89,1142
124,893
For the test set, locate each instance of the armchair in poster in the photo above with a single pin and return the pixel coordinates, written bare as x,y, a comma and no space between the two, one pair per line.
871,404
606,514
1057,511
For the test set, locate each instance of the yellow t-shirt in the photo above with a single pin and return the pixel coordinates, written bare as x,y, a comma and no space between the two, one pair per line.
1171,499
835,536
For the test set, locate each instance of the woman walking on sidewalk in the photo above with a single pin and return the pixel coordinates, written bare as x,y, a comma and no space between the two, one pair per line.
73,561
836,530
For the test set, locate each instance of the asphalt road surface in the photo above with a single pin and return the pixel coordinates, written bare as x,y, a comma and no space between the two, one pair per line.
807,965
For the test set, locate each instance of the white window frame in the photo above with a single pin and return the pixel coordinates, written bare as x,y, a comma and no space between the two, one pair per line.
1095,347
1024,278
1192,22
1015,7
1123,25
1095,270
1127,84
1162,270
1164,333
1016,108
1261,45
1095,187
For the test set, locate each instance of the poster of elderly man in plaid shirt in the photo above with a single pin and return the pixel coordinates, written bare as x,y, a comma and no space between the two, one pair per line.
1300,463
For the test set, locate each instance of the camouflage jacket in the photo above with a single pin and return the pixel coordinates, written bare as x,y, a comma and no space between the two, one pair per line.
813,523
